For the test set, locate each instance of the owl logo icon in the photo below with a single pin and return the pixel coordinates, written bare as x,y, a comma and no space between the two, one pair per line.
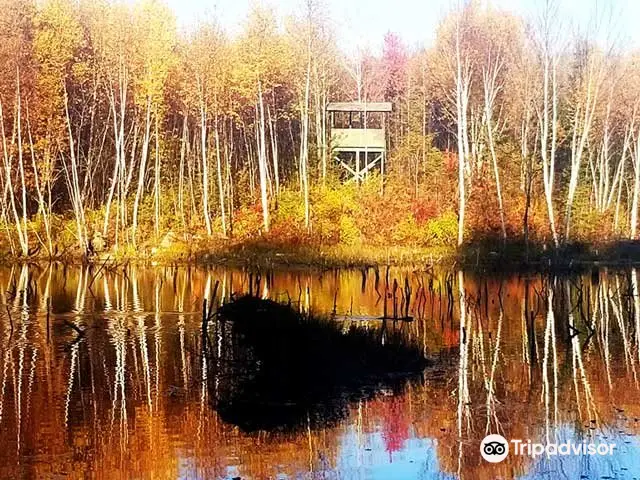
494,448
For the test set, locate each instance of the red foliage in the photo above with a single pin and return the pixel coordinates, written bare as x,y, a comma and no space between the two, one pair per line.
394,63
424,210
451,161
395,429
290,234
383,214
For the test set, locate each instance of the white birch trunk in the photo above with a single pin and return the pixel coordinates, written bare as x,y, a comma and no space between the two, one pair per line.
262,161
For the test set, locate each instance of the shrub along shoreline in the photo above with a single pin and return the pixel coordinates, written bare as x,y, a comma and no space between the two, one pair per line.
265,253
349,226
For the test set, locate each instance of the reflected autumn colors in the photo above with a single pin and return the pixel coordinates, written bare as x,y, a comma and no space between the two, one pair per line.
102,374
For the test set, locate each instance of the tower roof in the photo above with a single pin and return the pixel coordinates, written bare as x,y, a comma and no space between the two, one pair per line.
359,107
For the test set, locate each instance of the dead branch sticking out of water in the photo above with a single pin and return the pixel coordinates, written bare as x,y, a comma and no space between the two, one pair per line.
74,327
10,320
208,316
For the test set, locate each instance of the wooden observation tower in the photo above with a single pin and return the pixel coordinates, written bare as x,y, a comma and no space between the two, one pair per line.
358,137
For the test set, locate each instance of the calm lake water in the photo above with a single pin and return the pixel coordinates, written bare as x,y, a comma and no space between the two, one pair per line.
102,375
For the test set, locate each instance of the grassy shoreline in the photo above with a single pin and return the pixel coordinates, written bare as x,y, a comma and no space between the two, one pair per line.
264,254
484,256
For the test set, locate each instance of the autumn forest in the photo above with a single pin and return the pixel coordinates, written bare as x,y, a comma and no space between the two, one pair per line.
122,132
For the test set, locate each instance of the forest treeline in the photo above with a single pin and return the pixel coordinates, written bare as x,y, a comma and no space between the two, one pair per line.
116,124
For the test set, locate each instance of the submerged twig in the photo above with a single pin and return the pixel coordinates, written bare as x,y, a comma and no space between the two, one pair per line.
78,330
10,321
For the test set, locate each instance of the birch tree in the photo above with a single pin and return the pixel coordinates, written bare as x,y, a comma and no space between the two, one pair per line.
260,47
462,88
585,98
491,88
156,39
206,61
15,32
547,111
111,34
58,36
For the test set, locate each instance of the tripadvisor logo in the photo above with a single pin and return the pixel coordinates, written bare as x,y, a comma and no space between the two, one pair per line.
495,448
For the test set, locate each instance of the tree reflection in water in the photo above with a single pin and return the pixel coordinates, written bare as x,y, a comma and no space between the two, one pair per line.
103,372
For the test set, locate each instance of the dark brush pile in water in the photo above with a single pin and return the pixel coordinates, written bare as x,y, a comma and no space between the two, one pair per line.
290,370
